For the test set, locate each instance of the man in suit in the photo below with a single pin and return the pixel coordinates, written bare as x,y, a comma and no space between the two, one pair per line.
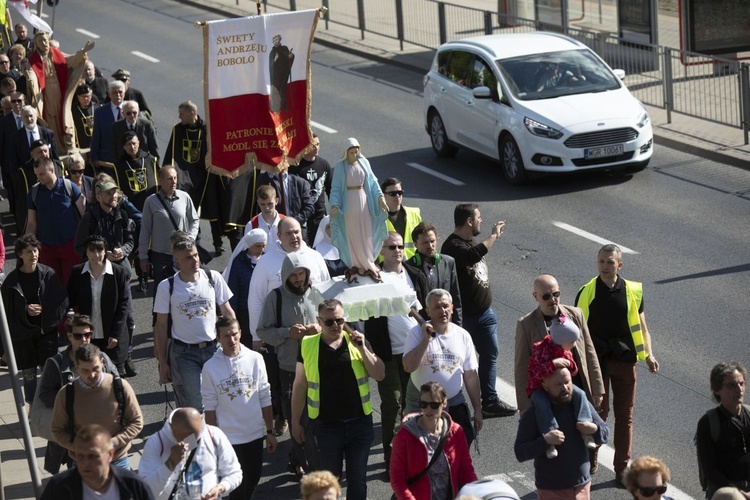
26,136
9,125
532,328
131,93
97,83
439,269
294,200
101,153
143,128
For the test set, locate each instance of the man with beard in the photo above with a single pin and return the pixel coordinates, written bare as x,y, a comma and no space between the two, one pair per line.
83,116
288,315
566,476
136,171
476,297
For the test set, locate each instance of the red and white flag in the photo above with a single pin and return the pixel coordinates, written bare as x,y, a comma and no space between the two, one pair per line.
22,6
257,90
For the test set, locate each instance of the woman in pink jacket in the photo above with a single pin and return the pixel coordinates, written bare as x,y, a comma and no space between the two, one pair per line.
423,436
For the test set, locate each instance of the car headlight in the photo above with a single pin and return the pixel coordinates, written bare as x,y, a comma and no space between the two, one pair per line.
642,120
541,130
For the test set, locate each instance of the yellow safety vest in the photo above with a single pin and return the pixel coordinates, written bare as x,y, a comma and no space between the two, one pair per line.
413,217
310,348
634,292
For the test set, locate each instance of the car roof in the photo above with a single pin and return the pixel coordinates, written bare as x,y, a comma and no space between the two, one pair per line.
517,44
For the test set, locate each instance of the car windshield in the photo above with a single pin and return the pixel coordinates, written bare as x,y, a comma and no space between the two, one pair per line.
555,74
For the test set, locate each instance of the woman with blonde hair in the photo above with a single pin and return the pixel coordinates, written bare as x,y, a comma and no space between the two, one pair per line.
320,485
647,479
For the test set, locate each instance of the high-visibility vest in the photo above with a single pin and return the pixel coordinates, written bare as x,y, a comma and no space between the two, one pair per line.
309,349
413,218
634,293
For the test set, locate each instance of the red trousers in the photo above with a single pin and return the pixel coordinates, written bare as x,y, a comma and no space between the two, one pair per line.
621,377
61,258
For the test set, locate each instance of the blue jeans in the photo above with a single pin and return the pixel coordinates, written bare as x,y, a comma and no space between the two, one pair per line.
186,365
348,440
483,330
545,419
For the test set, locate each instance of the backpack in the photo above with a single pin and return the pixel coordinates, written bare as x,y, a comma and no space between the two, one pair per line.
68,189
715,430
171,289
70,395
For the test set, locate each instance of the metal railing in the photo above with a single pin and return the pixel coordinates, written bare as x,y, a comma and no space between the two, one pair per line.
696,85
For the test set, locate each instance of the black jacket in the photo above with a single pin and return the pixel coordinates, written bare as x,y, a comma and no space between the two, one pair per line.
68,485
301,206
90,224
376,329
52,296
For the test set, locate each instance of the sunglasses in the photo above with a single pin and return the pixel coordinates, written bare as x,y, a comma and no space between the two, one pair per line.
4,62
548,296
647,492
75,172
395,193
81,336
431,404
330,322
131,113
17,101
393,247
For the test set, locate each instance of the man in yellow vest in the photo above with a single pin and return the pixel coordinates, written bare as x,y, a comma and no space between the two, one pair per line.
613,308
332,386
401,219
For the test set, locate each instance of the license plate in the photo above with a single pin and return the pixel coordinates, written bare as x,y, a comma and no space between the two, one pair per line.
603,151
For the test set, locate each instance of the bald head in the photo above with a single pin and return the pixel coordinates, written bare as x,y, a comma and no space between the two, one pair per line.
186,421
546,286
290,234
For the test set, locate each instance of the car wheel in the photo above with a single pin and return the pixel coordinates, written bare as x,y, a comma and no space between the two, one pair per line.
638,166
510,155
439,138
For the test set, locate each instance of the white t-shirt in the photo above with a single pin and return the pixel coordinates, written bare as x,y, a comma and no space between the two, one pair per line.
111,493
399,326
193,306
447,357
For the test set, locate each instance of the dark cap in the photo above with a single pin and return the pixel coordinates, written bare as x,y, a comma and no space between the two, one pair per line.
121,74
37,144
83,89
128,136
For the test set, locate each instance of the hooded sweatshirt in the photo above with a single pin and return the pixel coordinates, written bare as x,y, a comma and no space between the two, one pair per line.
295,309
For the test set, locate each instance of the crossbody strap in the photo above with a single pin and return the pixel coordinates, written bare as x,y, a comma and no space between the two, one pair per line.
435,456
181,477
169,212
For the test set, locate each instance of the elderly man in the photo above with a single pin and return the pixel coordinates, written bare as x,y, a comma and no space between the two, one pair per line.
98,84
94,476
187,150
9,125
443,352
191,458
102,154
26,136
567,476
534,326
131,93
333,370
142,127
83,108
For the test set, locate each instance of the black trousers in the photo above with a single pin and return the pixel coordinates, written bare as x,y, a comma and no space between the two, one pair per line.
250,457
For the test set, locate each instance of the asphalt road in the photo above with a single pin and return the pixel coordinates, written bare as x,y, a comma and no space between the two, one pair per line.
685,217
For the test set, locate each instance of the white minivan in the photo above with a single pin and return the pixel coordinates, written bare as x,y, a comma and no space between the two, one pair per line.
539,102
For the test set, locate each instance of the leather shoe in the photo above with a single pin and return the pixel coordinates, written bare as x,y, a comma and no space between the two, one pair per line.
130,368
498,408
593,460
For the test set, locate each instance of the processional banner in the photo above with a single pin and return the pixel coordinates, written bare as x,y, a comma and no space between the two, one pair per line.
257,91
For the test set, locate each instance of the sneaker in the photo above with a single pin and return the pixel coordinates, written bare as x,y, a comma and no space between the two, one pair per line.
551,452
280,426
498,408
589,441
594,460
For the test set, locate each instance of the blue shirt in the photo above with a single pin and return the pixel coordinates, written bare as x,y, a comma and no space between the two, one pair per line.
56,213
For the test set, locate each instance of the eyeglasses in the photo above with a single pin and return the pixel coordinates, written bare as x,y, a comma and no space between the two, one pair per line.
548,296
75,172
393,247
330,322
648,492
81,336
131,113
17,101
431,404
395,193
4,62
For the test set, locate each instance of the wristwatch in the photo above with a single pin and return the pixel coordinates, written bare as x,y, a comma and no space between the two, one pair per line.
269,432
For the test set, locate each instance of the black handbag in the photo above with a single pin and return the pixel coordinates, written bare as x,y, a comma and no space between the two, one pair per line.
203,254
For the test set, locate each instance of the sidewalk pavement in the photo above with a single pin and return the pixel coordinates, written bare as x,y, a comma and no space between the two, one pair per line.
716,142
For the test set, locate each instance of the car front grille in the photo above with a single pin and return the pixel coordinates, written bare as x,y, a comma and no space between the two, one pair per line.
583,162
602,138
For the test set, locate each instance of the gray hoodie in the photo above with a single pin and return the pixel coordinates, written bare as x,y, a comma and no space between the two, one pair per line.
294,309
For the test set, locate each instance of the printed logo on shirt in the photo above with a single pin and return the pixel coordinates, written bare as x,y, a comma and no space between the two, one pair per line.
444,361
237,385
196,307
482,276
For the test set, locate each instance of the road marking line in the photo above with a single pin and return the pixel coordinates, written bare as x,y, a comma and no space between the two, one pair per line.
87,33
507,392
319,126
444,177
145,56
591,236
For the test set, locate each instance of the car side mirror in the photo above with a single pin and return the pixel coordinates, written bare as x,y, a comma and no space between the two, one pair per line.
481,93
619,73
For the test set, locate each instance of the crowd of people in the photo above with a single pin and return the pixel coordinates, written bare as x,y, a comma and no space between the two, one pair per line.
253,352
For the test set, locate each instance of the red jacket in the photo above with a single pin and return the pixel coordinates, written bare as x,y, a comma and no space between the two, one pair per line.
541,365
409,458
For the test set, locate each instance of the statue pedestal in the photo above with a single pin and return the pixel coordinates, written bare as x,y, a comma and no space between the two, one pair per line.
367,299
